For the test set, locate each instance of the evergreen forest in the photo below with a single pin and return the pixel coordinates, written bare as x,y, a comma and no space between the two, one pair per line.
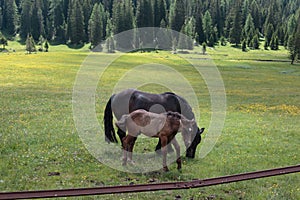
243,23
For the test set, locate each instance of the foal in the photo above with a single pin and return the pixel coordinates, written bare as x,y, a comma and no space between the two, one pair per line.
164,126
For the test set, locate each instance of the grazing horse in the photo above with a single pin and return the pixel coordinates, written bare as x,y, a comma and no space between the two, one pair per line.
164,126
130,100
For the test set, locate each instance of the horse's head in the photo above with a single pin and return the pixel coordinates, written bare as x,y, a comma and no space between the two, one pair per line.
187,130
191,149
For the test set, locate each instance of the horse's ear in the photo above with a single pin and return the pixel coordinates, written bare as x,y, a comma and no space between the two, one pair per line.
201,130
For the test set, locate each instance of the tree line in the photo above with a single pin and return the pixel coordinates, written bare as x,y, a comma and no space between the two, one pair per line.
240,22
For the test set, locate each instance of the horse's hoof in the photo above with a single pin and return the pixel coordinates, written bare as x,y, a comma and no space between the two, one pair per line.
131,162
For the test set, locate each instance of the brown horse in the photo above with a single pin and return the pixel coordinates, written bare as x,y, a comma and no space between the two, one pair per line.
164,126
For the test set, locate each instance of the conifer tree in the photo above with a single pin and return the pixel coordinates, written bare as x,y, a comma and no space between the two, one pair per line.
159,12
182,41
188,33
269,33
216,11
10,17
244,45
273,15
199,33
1,17
96,25
122,16
25,20
177,15
46,46
87,8
266,45
249,30
291,25
204,48
294,44
123,20
144,14
255,13
30,44
57,21
255,42
76,23
207,25
3,41
37,21
235,31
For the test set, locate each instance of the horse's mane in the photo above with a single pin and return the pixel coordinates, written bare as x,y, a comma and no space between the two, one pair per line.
185,106
170,93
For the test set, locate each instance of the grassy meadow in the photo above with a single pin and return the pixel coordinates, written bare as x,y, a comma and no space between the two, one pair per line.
40,147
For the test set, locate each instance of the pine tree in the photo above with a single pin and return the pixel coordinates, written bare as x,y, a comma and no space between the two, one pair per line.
266,45
96,25
159,12
291,25
3,40
46,46
76,23
196,13
188,33
37,21
182,41
245,11
204,48
57,21
10,17
144,14
223,41
122,16
1,18
207,25
177,15
294,44
268,34
110,45
249,30
25,20
87,8
217,16
123,20
273,15
244,45
255,13
235,31
255,42
30,44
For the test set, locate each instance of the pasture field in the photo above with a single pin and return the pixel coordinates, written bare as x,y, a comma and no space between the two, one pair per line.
40,147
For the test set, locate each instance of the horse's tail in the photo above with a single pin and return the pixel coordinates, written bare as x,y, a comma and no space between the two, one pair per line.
110,135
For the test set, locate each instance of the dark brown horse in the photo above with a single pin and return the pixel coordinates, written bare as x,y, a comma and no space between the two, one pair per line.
164,126
130,100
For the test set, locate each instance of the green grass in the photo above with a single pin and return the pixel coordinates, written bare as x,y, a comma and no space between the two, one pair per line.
38,135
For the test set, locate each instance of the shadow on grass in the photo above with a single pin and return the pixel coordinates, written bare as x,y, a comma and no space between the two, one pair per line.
75,46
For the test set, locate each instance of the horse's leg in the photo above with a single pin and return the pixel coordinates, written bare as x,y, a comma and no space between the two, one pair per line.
164,142
121,133
130,150
158,148
125,144
177,148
